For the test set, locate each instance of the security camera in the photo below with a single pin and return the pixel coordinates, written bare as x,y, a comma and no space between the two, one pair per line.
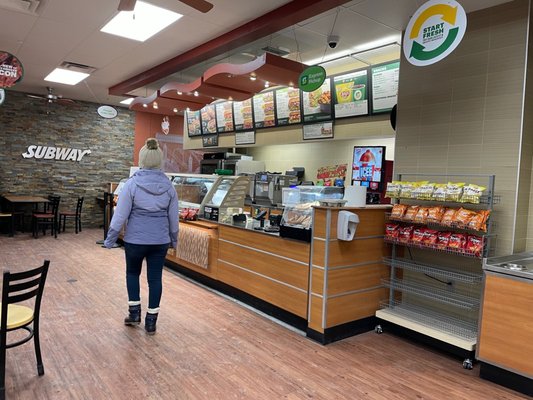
333,40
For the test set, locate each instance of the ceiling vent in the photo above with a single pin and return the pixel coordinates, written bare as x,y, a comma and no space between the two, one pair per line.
24,6
72,66
278,51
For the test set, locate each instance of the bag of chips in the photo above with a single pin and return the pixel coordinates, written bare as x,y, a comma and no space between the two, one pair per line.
435,214
398,211
454,191
430,237
406,233
443,240
406,190
448,217
393,189
479,221
472,193
457,241
421,215
462,217
418,235
410,213
424,191
439,193
392,231
474,245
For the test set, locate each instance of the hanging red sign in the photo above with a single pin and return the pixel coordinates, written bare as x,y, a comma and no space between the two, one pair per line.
11,70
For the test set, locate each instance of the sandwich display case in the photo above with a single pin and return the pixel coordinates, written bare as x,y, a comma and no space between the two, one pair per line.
225,198
192,189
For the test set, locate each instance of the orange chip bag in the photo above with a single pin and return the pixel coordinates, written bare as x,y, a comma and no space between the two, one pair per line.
421,215
463,216
435,214
448,217
411,213
479,221
398,211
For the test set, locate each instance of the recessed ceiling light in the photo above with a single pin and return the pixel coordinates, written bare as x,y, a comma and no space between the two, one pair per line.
196,93
267,84
253,77
66,76
142,23
127,101
175,110
179,93
155,105
145,105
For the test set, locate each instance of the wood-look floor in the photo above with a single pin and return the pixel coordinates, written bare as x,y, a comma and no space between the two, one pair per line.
206,347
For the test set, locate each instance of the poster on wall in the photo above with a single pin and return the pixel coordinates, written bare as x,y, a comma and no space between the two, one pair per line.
224,113
210,140
317,104
332,175
351,94
243,115
288,106
385,80
11,70
194,127
321,130
264,110
208,118
247,137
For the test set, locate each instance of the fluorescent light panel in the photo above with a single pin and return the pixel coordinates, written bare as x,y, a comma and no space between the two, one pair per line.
66,76
127,101
142,23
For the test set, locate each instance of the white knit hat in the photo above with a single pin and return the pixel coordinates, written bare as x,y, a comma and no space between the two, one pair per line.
150,155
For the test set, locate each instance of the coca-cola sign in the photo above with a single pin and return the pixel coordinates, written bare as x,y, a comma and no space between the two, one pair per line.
11,70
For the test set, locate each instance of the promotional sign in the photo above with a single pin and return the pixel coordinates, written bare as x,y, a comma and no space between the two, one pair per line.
194,127
385,80
224,117
434,31
11,70
209,123
264,110
316,105
351,94
288,106
312,78
107,112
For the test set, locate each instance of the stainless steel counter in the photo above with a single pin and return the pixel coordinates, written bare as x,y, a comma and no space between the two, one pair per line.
520,265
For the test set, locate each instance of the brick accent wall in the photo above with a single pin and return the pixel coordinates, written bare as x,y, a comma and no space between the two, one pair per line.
26,121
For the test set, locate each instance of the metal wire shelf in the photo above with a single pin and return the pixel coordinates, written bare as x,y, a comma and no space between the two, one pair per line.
469,200
432,319
434,271
427,246
431,224
433,293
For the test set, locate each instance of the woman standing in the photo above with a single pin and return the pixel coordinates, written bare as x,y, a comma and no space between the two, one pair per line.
148,205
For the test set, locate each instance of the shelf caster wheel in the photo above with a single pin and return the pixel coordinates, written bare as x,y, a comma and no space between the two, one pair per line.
378,329
467,364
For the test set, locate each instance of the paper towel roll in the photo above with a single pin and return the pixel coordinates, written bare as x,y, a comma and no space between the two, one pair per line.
355,196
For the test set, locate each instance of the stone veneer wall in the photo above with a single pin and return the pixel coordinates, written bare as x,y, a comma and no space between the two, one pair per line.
25,121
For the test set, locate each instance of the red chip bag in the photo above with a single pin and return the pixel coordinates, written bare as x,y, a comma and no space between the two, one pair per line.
457,241
430,237
474,245
392,231
418,235
443,239
406,232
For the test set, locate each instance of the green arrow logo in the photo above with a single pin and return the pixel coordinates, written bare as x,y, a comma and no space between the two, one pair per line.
417,51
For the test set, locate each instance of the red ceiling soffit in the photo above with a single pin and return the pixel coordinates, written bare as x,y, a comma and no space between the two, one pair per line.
272,22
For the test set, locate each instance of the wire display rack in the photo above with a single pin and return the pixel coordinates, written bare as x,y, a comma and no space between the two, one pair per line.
434,247
434,270
460,328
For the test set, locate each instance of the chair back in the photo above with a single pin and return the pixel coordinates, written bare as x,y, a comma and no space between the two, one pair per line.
22,286
48,207
79,204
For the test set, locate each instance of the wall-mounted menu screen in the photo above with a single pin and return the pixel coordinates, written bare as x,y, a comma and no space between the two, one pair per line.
351,94
264,110
385,86
209,123
288,106
194,127
243,115
317,104
224,117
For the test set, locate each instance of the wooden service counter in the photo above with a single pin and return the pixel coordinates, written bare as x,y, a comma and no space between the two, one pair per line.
329,288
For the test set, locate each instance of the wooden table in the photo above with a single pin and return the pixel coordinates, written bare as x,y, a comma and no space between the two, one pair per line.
16,199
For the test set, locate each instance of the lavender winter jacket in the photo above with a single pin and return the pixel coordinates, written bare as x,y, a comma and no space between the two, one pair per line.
148,203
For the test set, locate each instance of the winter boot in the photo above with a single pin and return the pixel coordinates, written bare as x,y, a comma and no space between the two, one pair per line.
134,317
149,323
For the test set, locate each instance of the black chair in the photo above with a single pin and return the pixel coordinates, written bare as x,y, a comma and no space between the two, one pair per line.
18,287
50,218
75,215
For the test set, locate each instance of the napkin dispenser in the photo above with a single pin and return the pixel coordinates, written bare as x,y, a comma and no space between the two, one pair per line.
346,225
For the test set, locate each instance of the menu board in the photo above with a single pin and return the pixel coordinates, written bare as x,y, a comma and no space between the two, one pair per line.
264,112
209,123
288,106
194,127
243,115
224,117
351,94
385,87
317,104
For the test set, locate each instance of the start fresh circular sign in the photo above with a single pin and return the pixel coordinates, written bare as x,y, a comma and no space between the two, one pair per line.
434,31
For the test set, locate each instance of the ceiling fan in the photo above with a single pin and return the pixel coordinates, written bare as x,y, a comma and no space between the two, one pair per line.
200,5
51,97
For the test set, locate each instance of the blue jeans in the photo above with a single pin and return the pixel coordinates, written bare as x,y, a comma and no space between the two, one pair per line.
155,258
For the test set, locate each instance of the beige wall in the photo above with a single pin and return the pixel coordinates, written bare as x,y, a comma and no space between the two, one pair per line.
463,115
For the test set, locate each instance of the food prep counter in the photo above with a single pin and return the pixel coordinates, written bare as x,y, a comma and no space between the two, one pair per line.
505,347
